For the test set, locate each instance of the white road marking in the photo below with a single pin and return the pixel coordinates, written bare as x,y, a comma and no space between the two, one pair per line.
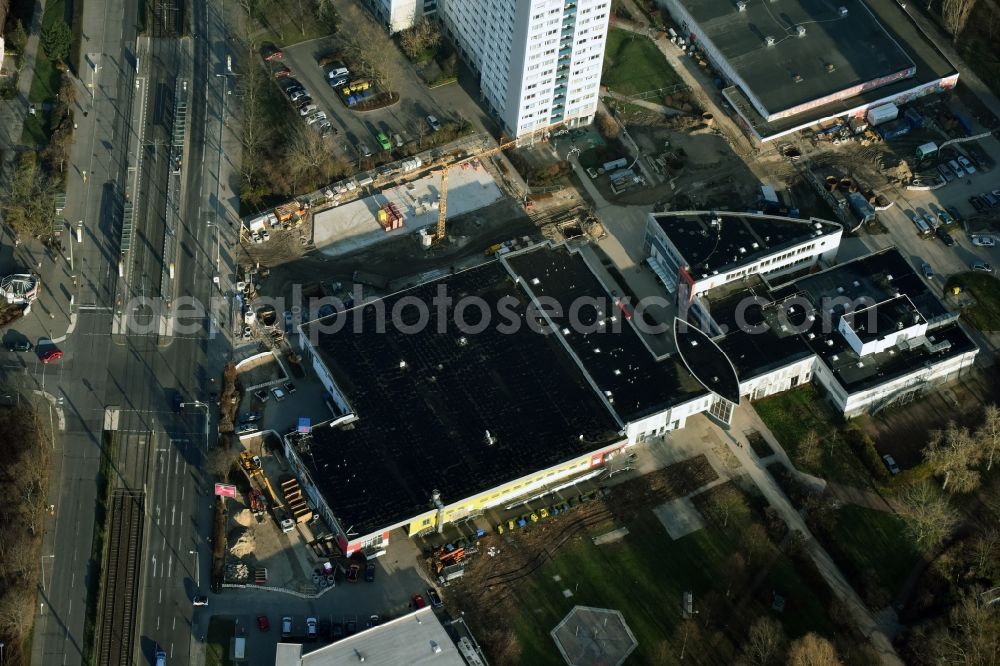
154,566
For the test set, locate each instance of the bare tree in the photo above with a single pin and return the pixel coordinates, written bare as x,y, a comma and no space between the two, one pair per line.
764,641
929,517
812,650
726,502
986,551
755,542
808,454
955,14
971,635
953,454
253,117
371,50
987,436
16,613
219,462
421,38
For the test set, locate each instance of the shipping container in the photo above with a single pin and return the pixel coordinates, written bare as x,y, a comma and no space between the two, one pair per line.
862,209
882,114
913,117
926,150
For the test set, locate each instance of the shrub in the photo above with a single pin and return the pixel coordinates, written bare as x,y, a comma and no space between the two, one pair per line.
864,448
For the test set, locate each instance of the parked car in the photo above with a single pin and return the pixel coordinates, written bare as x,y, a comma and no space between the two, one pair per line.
945,237
373,621
977,203
290,388
353,572
281,72
417,600
434,123
199,600
955,215
398,140
383,141
927,271
297,94
247,428
946,173
279,394
983,241
261,395
50,355
966,164
312,629
19,346
982,266
263,623
364,150
286,627
890,464
958,170
306,109
370,572
435,598
271,52
944,217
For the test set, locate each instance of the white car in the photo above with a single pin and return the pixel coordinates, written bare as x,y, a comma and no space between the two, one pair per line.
433,122
311,627
286,626
983,241
398,140
279,394
966,164
307,109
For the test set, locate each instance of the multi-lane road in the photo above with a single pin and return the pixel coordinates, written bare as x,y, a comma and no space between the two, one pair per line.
122,173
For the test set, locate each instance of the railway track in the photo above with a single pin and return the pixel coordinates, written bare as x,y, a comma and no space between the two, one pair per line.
119,593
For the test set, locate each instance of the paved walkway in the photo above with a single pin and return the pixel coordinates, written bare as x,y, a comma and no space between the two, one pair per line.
13,111
863,617
652,106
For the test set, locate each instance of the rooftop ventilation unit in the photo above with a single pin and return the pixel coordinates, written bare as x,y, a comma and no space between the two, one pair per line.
796,78
741,6
769,40
829,342
743,250
830,69
842,11
800,30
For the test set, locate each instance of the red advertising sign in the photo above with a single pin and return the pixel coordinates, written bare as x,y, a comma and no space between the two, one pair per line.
225,490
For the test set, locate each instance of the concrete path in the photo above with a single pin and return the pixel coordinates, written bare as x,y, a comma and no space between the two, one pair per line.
863,617
652,106
13,111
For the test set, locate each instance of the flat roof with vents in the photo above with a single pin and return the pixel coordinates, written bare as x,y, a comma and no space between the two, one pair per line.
792,55
723,241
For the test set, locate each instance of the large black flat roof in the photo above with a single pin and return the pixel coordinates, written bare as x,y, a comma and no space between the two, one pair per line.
426,400
621,367
930,64
835,53
723,241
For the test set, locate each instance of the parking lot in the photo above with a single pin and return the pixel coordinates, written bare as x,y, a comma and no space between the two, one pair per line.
945,261
358,129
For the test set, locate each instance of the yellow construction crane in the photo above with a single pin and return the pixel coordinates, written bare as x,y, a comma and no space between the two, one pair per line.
488,152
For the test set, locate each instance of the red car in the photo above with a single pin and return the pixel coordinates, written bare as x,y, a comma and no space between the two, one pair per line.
262,623
271,52
50,355
418,600
353,572
282,72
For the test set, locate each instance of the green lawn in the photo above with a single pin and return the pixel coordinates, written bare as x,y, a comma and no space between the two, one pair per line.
45,83
790,415
633,64
220,631
644,576
985,314
875,540
36,128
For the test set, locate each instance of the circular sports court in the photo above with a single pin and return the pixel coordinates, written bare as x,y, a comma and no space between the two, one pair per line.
594,637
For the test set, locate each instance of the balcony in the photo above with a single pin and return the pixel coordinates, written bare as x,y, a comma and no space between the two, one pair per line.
565,51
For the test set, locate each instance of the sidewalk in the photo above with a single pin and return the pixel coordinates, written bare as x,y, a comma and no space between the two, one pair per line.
50,316
13,111
863,617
